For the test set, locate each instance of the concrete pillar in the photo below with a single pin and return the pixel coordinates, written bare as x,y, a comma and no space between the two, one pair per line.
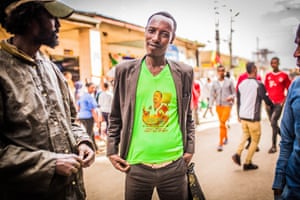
90,55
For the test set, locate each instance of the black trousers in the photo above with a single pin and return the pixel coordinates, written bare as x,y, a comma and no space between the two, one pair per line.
105,116
170,182
89,126
274,116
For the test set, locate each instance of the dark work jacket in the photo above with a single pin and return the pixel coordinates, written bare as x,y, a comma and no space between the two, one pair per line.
123,105
36,125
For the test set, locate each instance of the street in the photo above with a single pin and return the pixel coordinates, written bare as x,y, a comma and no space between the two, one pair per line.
219,177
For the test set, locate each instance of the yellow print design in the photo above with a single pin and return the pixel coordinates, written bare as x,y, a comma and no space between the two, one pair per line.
156,115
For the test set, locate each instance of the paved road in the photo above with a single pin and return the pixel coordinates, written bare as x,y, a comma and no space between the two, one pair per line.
219,176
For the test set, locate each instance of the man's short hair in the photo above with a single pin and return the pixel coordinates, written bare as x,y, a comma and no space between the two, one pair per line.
221,67
250,66
275,58
105,85
165,14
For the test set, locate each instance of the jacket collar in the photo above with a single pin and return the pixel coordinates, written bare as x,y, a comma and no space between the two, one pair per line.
14,51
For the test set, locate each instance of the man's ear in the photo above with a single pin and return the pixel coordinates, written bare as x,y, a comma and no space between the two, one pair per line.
173,38
33,27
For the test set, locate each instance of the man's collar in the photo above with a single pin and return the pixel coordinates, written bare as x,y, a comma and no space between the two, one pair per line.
13,50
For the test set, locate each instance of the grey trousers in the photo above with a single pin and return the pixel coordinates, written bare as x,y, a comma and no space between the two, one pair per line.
170,182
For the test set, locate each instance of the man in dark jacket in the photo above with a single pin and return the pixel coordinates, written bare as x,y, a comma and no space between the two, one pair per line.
151,118
42,151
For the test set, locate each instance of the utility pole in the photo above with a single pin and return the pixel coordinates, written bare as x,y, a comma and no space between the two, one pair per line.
230,37
218,54
217,40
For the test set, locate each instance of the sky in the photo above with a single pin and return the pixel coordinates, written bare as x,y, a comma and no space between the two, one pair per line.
260,24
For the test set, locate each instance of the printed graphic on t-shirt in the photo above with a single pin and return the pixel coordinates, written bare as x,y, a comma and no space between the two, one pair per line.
156,116
272,83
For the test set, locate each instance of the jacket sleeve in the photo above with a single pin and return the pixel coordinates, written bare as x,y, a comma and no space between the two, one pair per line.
263,94
238,101
288,135
190,127
115,121
29,170
79,134
232,89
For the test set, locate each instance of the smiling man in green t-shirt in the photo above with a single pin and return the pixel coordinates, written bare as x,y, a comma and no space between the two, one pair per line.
151,120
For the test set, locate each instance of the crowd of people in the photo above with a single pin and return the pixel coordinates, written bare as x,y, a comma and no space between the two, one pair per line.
93,104
47,126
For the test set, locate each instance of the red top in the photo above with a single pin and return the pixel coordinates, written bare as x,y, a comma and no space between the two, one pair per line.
195,94
276,83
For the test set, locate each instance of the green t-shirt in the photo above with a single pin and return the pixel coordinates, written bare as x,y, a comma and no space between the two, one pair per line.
156,136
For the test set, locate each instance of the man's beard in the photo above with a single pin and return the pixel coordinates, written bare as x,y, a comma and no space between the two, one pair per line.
50,41
46,36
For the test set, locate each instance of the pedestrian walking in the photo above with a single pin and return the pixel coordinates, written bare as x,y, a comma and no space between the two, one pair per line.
242,77
87,111
277,83
42,150
250,94
104,102
196,92
205,96
286,185
223,94
151,119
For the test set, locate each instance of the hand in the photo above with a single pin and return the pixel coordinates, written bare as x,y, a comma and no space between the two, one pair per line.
277,191
119,163
277,194
67,164
86,154
187,157
230,99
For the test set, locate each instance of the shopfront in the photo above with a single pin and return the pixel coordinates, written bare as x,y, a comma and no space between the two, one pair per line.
90,45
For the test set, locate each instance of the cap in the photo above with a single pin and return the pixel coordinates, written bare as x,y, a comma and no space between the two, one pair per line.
55,8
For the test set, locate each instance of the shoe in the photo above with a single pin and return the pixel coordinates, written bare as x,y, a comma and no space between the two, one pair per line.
220,148
272,150
225,141
250,166
236,159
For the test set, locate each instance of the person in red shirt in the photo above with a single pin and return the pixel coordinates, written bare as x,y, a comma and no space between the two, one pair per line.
195,101
277,83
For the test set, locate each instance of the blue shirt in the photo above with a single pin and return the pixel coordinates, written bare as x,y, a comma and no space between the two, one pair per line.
288,163
86,103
